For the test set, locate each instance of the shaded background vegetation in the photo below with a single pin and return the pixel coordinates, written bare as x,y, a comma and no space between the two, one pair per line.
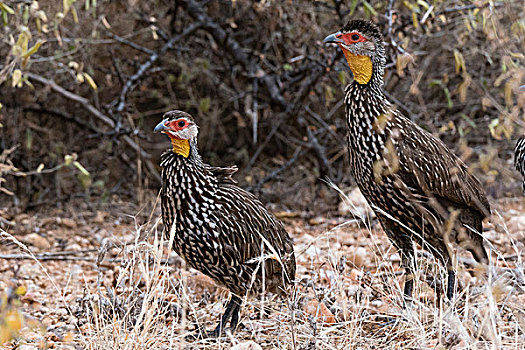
83,83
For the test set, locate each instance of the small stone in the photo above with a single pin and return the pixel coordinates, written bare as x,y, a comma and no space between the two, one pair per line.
354,204
318,220
357,257
69,223
100,217
247,345
27,347
37,241
74,247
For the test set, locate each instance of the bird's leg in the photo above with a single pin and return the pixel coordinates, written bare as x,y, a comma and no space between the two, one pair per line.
451,284
409,285
231,312
235,315
409,278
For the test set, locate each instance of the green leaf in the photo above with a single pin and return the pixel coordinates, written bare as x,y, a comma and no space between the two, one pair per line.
29,139
90,81
342,77
450,104
204,104
353,6
34,48
17,76
79,166
4,18
369,8
435,82
6,8
85,180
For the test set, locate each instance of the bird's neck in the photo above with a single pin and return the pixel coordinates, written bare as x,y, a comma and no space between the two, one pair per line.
181,147
186,149
368,98
368,78
368,83
366,108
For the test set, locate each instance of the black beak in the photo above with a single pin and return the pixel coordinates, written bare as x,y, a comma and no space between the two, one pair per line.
332,38
160,127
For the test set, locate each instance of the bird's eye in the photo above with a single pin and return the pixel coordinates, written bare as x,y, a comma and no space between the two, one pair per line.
182,123
355,37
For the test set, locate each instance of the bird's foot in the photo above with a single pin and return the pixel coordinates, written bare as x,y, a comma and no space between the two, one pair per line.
200,334
387,320
408,302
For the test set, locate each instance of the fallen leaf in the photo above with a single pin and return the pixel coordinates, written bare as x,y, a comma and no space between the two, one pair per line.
319,311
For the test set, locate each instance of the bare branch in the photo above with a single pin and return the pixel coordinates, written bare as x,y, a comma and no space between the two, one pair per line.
84,102
237,52
146,65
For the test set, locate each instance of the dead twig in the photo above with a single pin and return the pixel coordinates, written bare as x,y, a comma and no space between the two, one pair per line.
40,109
293,108
237,52
298,152
130,44
131,82
84,102
319,149
469,7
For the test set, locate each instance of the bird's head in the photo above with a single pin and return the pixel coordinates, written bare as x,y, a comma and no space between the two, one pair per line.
362,45
180,128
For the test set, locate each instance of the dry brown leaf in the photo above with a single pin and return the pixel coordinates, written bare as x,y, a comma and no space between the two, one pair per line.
320,311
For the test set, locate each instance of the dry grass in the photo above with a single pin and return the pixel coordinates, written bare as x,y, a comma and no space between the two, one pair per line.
151,301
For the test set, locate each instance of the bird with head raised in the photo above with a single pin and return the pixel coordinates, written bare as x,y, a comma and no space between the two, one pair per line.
420,191
218,228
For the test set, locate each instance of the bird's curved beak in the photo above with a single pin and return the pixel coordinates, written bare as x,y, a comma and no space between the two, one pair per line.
160,127
522,88
332,38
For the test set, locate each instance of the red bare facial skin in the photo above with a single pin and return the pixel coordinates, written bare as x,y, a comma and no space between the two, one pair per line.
351,38
175,125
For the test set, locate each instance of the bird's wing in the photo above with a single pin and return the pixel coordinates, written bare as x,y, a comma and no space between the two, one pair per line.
429,165
259,229
224,175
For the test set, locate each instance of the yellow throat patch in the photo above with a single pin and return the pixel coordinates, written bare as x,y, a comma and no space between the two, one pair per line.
181,147
361,67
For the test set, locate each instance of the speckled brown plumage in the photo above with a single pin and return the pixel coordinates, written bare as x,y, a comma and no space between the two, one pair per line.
421,192
519,158
219,228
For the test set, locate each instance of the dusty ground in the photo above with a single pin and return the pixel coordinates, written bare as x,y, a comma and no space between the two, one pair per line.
348,293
